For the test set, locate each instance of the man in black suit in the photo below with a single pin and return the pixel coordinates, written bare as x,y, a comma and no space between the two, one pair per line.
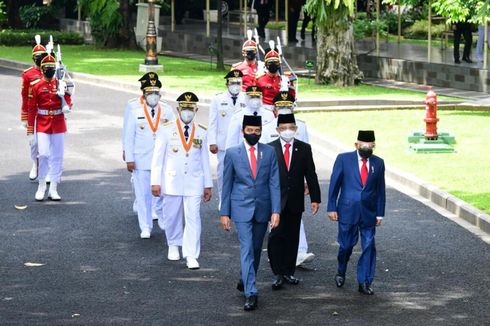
263,8
296,164
463,29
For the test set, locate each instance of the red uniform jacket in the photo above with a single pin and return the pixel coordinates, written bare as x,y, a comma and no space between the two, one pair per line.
43,97
270,85
248,72
28,76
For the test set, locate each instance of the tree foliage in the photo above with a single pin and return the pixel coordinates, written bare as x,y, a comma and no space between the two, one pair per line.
105,19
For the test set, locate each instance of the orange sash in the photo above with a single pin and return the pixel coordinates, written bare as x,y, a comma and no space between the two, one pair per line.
187,146
154,127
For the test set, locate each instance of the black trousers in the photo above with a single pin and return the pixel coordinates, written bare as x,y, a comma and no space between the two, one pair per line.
293,19
462,29
306,20
263,15
282,246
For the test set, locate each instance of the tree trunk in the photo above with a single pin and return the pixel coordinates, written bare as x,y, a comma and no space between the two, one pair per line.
126,36
220,65
13,19
336,59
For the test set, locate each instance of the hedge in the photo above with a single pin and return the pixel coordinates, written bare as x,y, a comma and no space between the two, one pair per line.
26,37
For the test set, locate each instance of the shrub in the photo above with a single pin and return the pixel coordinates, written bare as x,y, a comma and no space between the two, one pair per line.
32,15
365,27
26,37
419,30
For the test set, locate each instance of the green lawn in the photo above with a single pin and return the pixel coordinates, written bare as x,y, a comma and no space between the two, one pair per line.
185,74
464,174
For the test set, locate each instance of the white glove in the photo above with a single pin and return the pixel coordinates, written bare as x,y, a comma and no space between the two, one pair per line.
61,88
66,109
284,84
24,124
30,139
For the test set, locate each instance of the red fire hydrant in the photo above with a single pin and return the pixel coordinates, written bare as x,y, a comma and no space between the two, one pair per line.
431,116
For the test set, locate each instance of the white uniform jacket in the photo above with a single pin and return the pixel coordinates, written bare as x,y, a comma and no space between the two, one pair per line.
220,113
139,137
235,136
177,171
269,132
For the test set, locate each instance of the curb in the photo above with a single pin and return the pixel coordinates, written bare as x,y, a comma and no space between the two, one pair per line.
458,207
452,204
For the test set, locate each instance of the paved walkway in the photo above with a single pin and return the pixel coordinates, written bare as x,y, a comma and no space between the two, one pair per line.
98,272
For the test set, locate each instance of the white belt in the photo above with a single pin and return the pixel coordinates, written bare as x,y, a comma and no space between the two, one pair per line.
50,112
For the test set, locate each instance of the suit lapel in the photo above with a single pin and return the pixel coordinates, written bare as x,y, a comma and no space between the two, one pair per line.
244,158
355,162
294,153
259,158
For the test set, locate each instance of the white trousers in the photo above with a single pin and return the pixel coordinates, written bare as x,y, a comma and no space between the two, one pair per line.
179,210
221,160
34,148
142,190
481,39
51,150
303,245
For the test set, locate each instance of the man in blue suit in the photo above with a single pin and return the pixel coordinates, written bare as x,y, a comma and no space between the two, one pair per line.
251,197
359,176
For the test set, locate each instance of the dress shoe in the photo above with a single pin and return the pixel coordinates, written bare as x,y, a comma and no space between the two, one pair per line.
33,172
365,288
192,263
467,60
290,279
304,257
145,234
53,192
457,61
173,253
251,303
278,283
41,190
239,286
339,280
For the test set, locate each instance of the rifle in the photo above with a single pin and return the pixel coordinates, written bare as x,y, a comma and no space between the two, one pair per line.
293,76
260,64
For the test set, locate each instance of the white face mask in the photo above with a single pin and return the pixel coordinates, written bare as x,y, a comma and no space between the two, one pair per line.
284,111
187,115
234,89
152,99
287,135
254,103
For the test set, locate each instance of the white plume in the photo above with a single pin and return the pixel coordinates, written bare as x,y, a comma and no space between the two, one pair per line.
249,34
38,39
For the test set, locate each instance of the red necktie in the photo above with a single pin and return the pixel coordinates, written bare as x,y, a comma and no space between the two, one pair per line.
364,172
253,161
286,155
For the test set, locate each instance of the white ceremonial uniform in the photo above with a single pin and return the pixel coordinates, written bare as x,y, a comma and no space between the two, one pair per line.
182,170
235,135
140,132
220,113
269,134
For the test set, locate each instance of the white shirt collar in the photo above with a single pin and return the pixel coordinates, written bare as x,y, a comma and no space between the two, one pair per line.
283,143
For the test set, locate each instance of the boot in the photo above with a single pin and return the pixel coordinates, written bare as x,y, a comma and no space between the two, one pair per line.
53,191
33,173
41,190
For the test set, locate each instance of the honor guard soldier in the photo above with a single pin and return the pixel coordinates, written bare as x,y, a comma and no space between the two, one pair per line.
28,76
180,171
271,81
284,103
47,107
249,65
142,123
223,106
253,101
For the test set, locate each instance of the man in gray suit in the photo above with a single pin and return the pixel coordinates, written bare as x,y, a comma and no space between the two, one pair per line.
251,197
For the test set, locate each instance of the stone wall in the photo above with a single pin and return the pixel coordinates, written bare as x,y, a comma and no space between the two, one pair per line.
460,77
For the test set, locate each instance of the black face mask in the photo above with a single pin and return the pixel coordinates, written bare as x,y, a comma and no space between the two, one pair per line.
251,139
365,152
273,68
38,59
251,55
49,72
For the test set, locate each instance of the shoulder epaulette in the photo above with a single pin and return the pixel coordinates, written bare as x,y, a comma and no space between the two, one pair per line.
34,82
235,64
202,126
26,70
168,123
257,76
133,100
